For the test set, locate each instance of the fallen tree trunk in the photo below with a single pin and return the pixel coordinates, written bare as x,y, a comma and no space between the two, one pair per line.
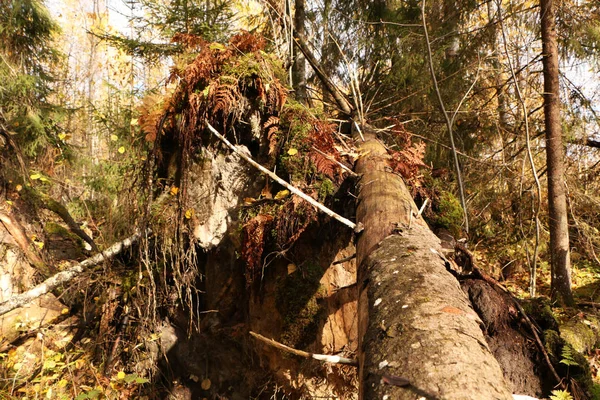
418,334
65,276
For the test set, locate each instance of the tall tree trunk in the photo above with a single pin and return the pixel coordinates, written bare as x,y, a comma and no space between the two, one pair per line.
557,202
299,67
418,335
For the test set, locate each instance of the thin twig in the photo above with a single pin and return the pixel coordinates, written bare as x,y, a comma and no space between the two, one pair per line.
305,354
447,118
291,188
537,208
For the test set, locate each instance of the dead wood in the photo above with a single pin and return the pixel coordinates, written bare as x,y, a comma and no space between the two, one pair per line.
49,203
305,354
414,319
291,188
18,233
66,276
337,94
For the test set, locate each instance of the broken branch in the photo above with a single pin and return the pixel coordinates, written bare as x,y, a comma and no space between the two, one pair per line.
291,188
305,354
65,276
18,233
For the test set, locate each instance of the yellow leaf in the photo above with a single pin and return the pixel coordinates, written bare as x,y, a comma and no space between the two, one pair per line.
114,138
64,311
19,188
121,150
62,383
292,151
121,375
62,136
291,268
282,194
217,46
205,385
33,177
134,121
189,213
174,190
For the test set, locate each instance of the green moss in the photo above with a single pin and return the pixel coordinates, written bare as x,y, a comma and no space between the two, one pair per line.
579,335
297,301
54,229
450,213
258,64
326,188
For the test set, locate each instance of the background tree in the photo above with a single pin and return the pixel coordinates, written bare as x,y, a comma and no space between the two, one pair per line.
557,202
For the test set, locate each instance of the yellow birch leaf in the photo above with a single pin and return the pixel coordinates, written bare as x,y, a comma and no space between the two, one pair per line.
134,121
114,138
282,194
292,151
174,190
121,150
121,375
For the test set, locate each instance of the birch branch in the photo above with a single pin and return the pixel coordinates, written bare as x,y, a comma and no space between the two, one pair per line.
65,276
291,188
305,354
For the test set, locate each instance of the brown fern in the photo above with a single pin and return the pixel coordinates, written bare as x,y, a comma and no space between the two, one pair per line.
247,42
271,128
254,232
324,165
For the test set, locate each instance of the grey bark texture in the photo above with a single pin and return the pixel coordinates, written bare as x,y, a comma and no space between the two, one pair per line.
557,200
416,326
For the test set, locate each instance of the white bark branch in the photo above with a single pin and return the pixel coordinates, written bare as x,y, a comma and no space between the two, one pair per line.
291,188
65,276
305,354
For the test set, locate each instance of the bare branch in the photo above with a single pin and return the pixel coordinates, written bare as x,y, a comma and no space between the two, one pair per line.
305,354
65,276
291,188
447,117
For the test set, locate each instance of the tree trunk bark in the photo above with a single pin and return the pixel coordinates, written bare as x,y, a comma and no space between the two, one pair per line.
418,335
299,67
557,201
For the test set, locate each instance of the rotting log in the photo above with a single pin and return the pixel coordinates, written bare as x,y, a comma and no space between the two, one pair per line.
418,335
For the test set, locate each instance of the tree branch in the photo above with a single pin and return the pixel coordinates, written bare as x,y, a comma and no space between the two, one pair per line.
18,233
337,94
65,276
305,354
291,188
